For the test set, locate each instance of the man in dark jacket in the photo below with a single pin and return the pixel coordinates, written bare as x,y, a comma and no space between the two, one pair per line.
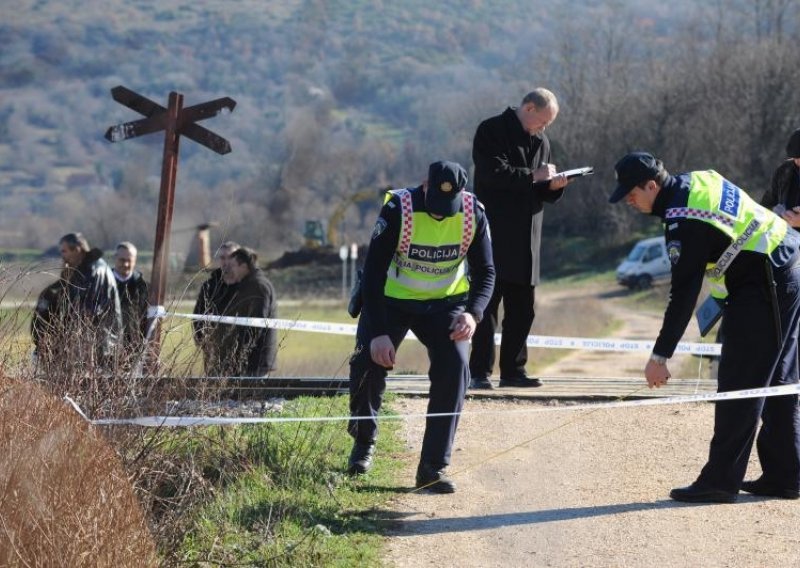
513,179
783,196
132,296
212,300
47,331
92,300
239,350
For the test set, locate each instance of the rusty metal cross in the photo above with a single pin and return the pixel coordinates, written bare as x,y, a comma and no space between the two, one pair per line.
175,121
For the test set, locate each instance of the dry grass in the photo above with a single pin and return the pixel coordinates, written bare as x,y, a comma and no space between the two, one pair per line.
65,499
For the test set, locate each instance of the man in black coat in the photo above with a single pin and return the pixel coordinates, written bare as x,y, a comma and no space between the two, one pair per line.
239,350
783,196
213,298
513,179
132,296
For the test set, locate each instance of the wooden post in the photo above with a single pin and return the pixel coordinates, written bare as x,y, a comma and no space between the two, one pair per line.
174,121
166,203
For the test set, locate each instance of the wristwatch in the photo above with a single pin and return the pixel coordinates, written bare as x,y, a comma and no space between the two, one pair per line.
658,359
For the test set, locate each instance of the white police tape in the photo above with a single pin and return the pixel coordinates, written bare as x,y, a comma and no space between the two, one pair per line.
544,341
190,421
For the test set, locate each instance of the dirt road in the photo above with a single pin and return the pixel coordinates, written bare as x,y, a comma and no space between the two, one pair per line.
584,488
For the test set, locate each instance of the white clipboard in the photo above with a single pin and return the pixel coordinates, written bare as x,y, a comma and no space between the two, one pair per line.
578,172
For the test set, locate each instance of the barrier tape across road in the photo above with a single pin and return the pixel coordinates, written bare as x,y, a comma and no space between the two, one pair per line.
544,341
189,421
556,342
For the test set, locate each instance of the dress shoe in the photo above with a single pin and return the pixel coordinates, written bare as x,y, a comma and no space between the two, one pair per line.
432,478
695,494
480,383
524,382
764,489
360,458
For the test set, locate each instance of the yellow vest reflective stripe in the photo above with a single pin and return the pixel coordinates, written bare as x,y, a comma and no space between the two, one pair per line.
428,263
751,227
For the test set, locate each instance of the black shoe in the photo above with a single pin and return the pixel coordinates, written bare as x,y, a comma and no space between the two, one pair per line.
433,479
764,489
695,494
520,382
480,383
360,459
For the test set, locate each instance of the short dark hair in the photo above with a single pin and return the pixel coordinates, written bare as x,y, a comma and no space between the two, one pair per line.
661,176
245,255
230,245
75,240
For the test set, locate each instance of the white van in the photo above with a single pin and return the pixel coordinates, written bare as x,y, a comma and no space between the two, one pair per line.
646,263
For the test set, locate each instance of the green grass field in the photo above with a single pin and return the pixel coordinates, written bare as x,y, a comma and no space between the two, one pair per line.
300,353
309,354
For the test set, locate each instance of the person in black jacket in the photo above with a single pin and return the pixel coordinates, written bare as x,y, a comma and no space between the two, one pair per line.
239,350
94,313
513,179
783,196
47,329
132,296
212,299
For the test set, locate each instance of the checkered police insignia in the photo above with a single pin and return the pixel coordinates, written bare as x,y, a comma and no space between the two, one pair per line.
674,251
380,226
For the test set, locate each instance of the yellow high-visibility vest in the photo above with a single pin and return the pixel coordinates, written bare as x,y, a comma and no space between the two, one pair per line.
428,263
751,227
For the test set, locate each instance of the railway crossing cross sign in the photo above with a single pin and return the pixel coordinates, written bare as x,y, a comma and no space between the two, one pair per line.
175,121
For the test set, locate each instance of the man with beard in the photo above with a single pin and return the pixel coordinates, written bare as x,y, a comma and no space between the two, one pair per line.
245,351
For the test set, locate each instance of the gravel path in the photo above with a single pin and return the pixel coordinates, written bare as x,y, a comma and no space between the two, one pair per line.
584,488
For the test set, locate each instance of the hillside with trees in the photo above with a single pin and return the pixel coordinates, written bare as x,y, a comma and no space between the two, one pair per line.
335,97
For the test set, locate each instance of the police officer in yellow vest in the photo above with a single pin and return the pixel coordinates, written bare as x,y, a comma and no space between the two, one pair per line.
416,278
714,228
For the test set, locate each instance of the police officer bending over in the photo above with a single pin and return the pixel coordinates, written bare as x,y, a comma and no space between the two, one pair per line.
714,228
415,278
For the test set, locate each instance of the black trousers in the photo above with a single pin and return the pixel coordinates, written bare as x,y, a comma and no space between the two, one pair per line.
518,317
448,377
754,357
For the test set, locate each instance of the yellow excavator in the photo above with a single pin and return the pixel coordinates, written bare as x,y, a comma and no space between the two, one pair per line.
315,235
